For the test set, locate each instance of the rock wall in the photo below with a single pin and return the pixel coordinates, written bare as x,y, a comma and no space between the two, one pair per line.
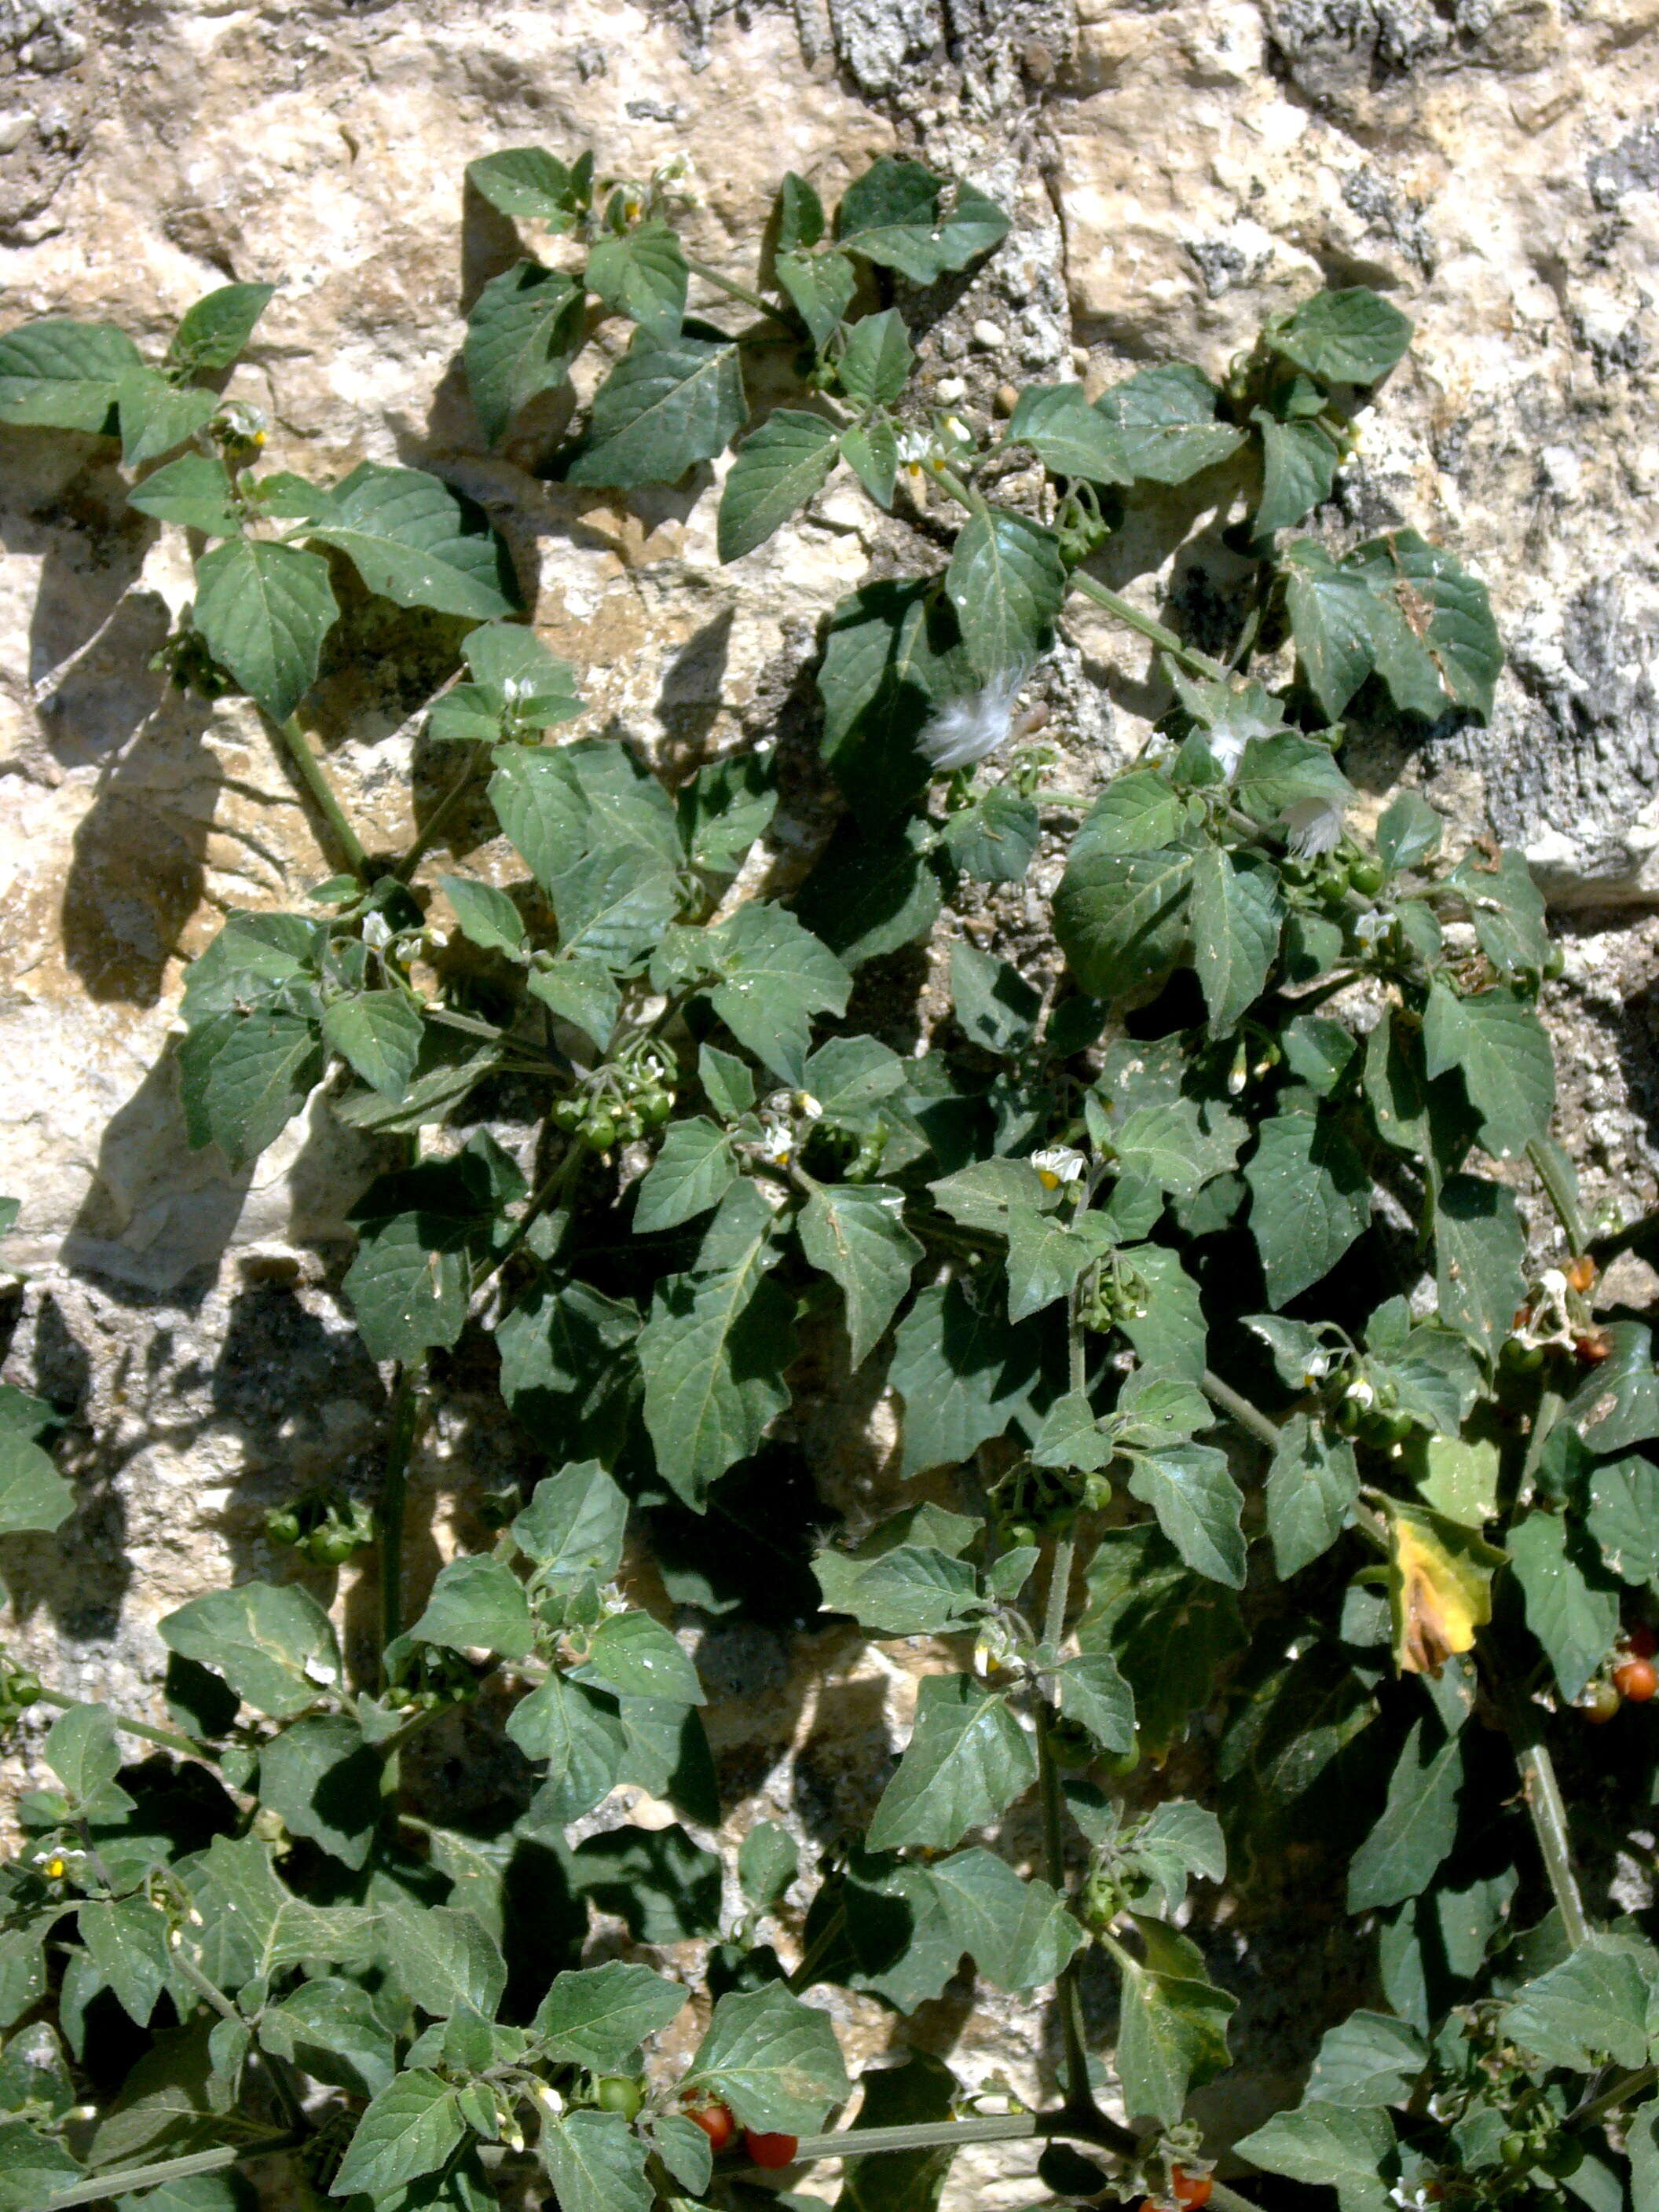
1174,170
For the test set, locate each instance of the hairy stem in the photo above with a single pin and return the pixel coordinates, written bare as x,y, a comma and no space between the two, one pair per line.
309,770
1196,664
115,2181
1548,1815
1241,1410
735,291
394,1491
940,2134
170,1738
441,814
1626,2087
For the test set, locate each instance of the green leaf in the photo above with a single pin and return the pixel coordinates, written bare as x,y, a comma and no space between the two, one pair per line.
1571,1608
1235,918
1418,1824
921,2090
274,1646
850,1073
777,470
1497,1043
1276,772
773,2059
1311,1197
567,1370
1093,1693
1071,1437
1398,606
446,1960
244,1079
768,1862
994,1005
409,1282
34,1498
821,287
1617,1405
1592,2005
1169,1630
1507,909
409,538
252,1924
1164,425
1330,2148
410,2130
526,328
662,409
1121,918
157,416
1198,1506
1624,1518
968,1759
870,895
263,611
1343,337
193,490
34,2169
524,180
1006,582
1067,435
81,1750
876,365
723,809
712,1356
1169,1335
776,977
1178,1147
963,1374
323,1781
855,1233
1299,461
378,1033
1409,832
637,1657
1479,1253
892,216
643,275
1175,1841
1172,2034
212,333
478,1602
486,915
892,651
1020,1933
574,1524
911,1590
1311,1484
330,2029
798,214
684,2150
995,840
596,2163
1137,812
62,375
598,2016
578,1733
1368,2059
692,1172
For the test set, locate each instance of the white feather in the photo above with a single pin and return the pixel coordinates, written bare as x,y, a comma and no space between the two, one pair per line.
962,730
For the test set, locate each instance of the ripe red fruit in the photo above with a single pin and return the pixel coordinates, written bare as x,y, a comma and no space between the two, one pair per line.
770,2150
1592,1350
1640,1642
1190,2189
1635,1680
715,2120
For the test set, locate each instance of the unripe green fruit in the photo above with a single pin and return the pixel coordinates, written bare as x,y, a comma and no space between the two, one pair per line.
628,1125
331,1547
598,1133
1367,876
282,1526
568,1115
1515,2150
616,2092
655,1106
1071,1746
1519,1358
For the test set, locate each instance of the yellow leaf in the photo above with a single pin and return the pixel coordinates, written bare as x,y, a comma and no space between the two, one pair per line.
1439,1588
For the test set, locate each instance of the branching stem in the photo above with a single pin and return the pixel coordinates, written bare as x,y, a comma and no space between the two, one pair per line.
1240,1409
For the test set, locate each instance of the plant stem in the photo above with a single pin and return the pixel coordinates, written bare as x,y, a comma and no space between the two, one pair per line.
441,814
1560,1194
168,1737
204,1988
940,2134
1198,664
394,1491
1627,2086
735,291
816,1952
115,2181
309,769
1240,1409
1549,1822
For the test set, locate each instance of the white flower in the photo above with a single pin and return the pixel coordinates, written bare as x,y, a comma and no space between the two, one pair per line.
1370,927
1057,1165
1312,826
1227,749
962,730
914,447
377,932
777,1144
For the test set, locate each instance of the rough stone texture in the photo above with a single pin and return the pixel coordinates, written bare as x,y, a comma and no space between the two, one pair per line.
1174,171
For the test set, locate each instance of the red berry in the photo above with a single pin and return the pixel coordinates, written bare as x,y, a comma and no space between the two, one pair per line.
1635,1680
715,2120
1640,1642
770,2150
1190,2189
1592,1349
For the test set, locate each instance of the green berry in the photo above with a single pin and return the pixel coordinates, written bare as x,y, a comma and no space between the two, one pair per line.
331,1546
1367,876
655,1106
569,1113
1515,2150
282,1525
628,1124
616,2092
598,1133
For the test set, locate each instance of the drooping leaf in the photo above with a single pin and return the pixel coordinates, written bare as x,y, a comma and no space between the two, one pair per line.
1368,2059
1418,1824
967,1761
275,1646
1198,1506
1439,1588
1311,1484
892,214
1573,1605
1235,917
1173,2035
855,1233
963,1374
477,1602
1497,1043
596,2163
378,1033
642,273
409,537
1311,1197
663,408
525,330
1019,1933
263,611
778,469
1006,582
712,1355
